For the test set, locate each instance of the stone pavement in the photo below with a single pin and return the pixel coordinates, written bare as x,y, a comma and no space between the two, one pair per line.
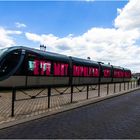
26,110
115,118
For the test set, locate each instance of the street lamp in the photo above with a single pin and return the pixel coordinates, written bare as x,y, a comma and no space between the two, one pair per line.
43,47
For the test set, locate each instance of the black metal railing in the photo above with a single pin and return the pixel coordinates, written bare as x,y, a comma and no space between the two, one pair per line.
70,94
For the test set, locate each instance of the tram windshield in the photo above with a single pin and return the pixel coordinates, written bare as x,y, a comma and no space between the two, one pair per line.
9,62
2,51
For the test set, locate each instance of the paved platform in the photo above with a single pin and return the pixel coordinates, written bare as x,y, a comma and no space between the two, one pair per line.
27,110
115,118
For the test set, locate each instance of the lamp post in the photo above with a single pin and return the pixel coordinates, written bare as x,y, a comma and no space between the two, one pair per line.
88,58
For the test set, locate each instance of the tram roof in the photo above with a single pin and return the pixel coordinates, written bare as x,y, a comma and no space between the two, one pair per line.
82,61
49,55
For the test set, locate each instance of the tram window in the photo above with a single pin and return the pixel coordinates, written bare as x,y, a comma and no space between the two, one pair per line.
85,71
60,69
106,72
39,67
45,67
118,74
96,72
127,74
31,65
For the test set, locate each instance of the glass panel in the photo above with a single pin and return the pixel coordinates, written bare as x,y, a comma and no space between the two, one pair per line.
96,72
31,65
85,71
39,67
60,69
107,72
45,67
127,74
9,63
118,74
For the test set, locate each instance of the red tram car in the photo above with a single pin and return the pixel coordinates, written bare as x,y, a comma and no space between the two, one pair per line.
26,67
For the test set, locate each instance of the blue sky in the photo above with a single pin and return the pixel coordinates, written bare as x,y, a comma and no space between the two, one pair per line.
107,31
59,18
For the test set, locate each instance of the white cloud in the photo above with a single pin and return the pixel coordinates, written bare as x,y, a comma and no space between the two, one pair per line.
129,16
6,39
100,44
117,45
13,32
20,25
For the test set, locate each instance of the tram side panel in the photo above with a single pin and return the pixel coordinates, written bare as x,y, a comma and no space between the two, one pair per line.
118,74
105,73
127,75
13,81
84,73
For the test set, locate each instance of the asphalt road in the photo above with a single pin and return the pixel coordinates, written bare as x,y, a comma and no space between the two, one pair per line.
117,117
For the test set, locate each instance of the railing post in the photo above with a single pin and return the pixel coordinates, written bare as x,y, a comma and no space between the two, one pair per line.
131,84
99,90
107,88
13,101
124,85
71,94
120,87
87,90
114,87
49,95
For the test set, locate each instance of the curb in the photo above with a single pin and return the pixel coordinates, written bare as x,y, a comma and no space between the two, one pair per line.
65,108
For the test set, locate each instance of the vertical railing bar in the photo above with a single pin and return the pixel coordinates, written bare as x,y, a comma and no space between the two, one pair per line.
71,94
107,88
120,87
87,90
13,102
49,95
99,90
114,87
